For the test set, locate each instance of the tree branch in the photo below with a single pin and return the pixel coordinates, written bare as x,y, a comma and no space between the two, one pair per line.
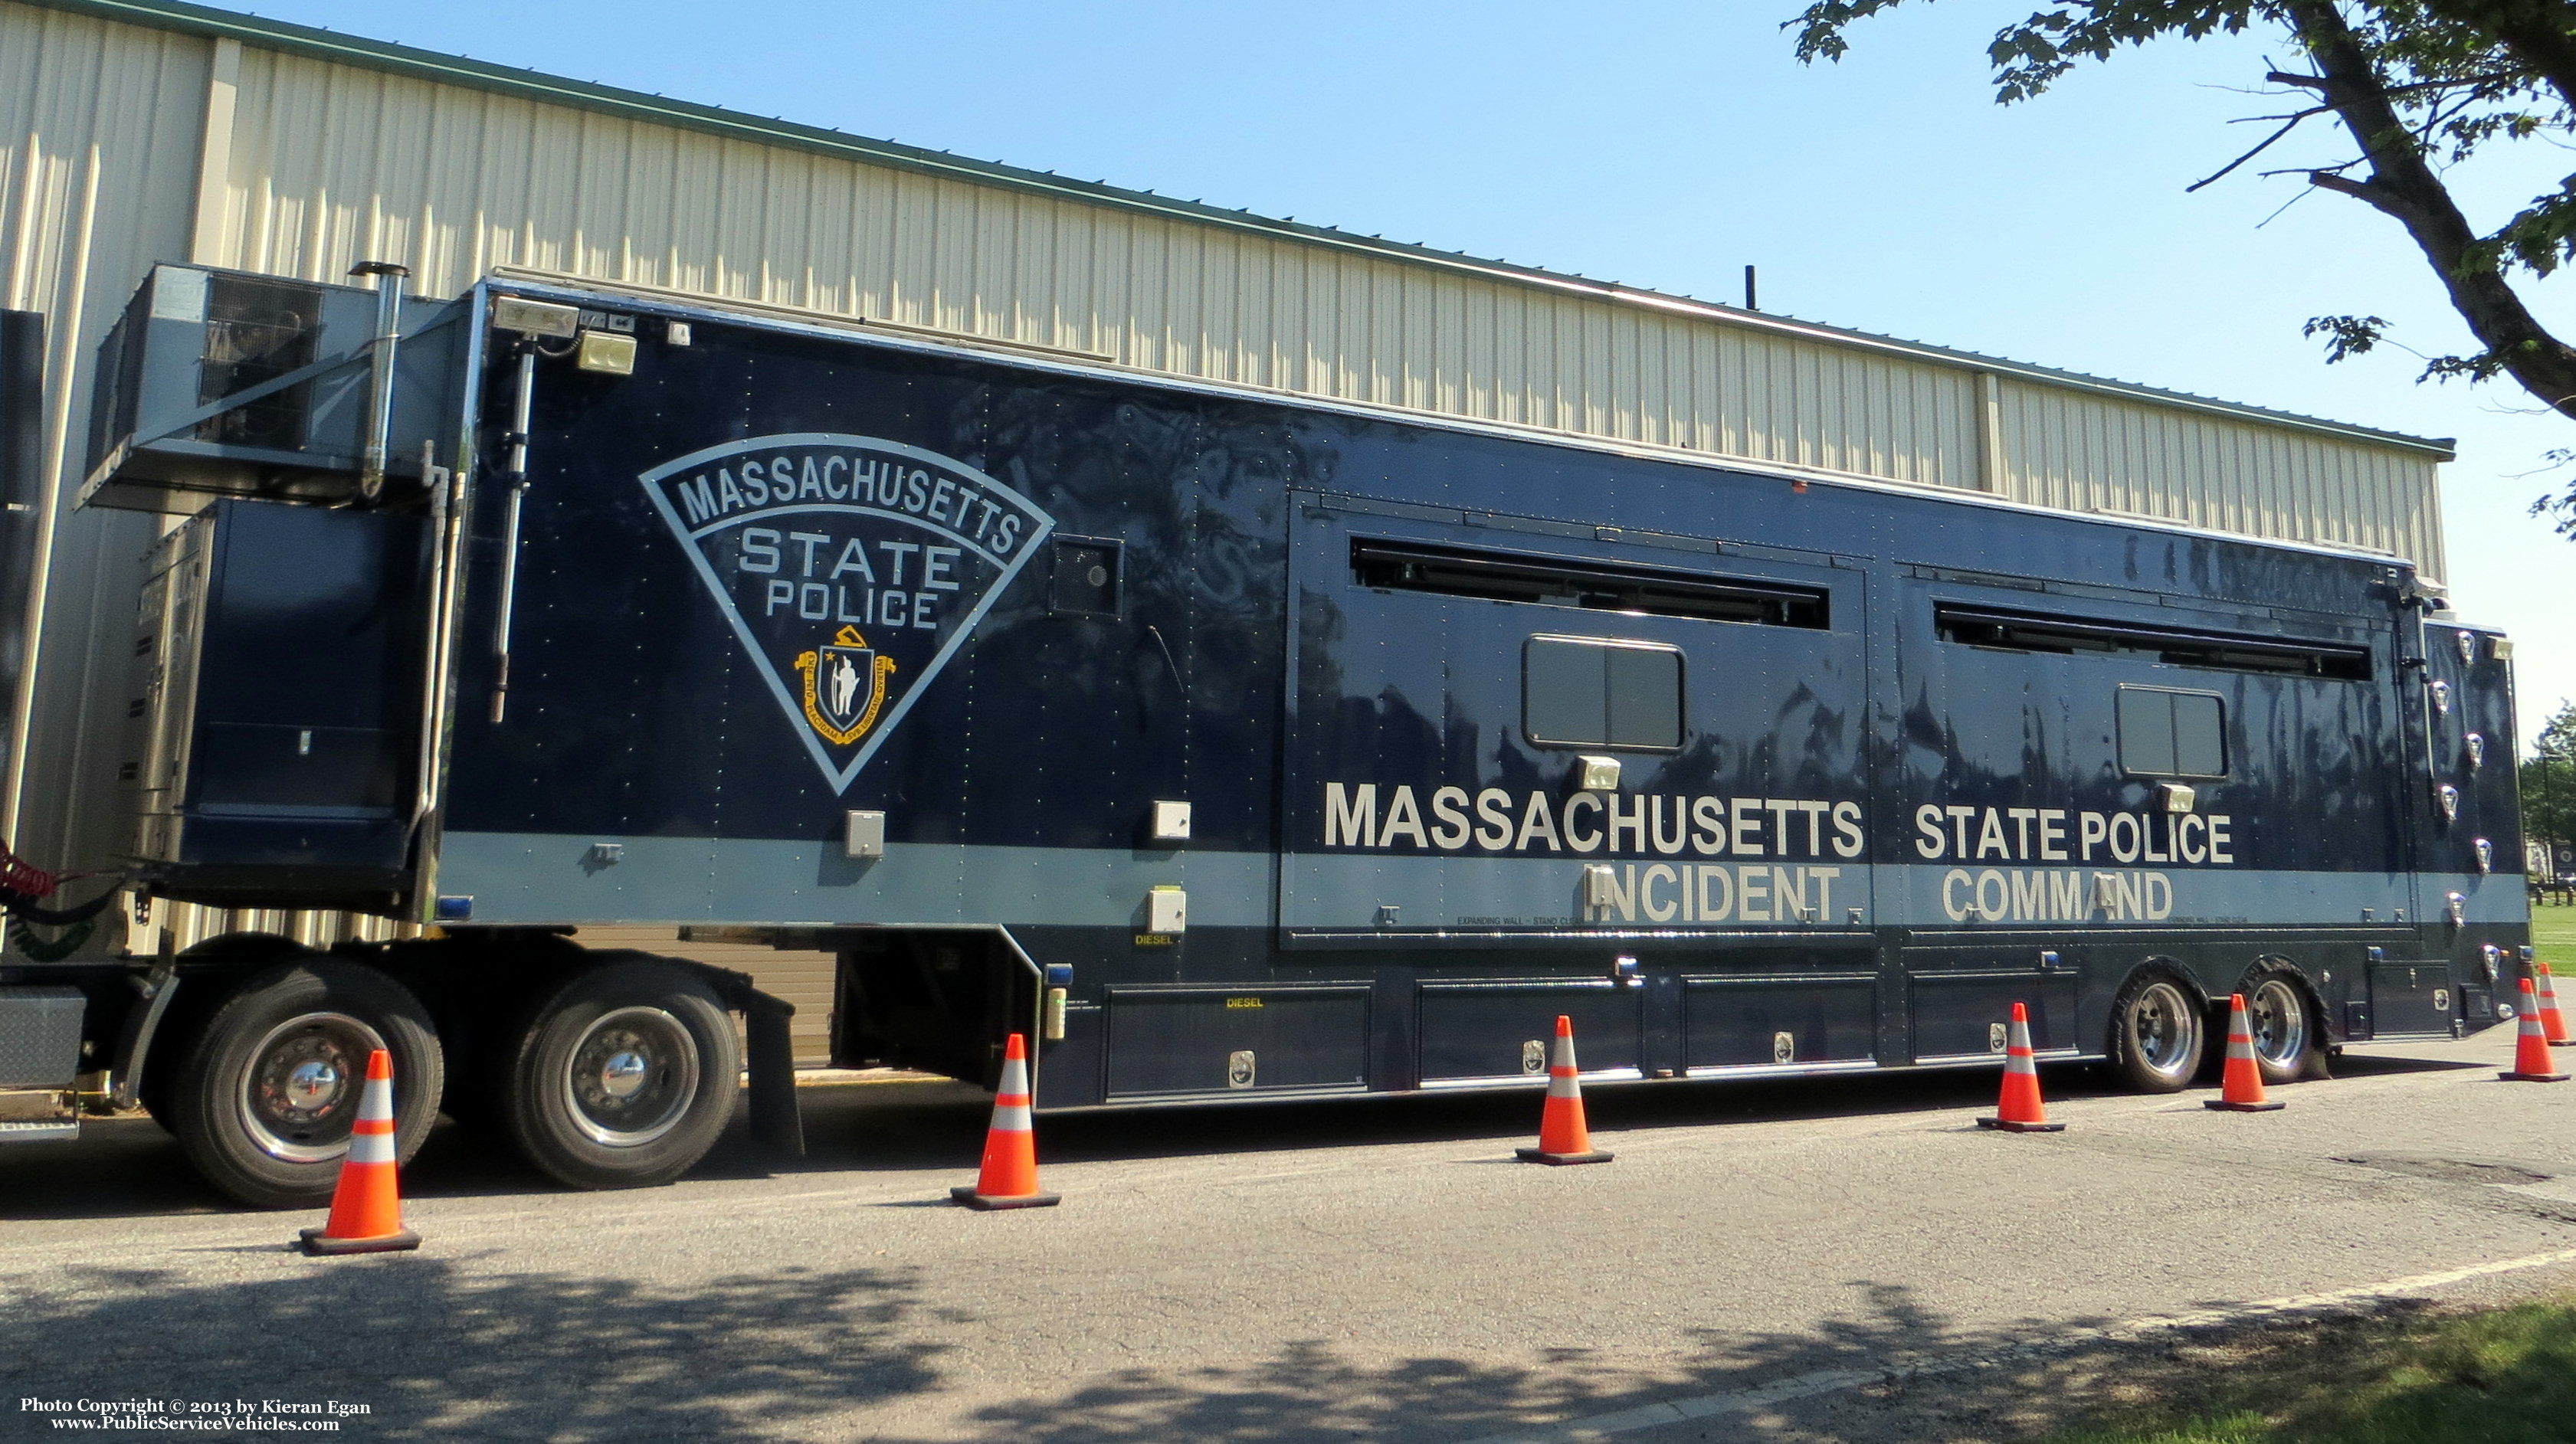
2318,82
2402,186
2540,33
2291,124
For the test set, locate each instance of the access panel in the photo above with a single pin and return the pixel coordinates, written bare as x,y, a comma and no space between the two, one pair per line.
2411,999
1963,1015
1486,1031
1174,1041
1779,1022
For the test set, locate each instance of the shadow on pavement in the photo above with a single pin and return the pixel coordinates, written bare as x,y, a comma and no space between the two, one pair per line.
129,1167
434,1351
2365,1065
1318,1390
880,1129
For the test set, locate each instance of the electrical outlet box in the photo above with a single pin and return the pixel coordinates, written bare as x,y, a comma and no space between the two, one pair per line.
863,834
1167,910
1171,822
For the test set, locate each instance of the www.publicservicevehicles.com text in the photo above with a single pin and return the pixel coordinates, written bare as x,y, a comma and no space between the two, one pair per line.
206,1416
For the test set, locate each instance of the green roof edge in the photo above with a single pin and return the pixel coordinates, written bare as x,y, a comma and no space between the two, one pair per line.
332,46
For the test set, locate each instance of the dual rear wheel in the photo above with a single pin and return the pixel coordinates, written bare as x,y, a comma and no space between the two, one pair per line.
2161,1033
623,1076
264,1098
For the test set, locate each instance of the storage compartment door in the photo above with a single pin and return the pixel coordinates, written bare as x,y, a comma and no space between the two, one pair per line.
1166,1042
2411,1000
1779,1022
1488,1032
1960,1016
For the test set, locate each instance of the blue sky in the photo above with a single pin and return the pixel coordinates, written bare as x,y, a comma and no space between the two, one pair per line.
1669,145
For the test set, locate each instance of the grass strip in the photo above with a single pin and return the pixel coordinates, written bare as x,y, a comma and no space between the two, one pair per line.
2553,933
2409,1374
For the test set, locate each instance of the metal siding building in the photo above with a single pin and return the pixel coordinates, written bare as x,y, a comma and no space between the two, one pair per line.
132,132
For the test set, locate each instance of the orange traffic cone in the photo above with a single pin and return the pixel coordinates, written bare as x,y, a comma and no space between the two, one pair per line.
1562,1134
366,1209
2241,1089
2019,1110
1010,1174
2531,1062
2553,1024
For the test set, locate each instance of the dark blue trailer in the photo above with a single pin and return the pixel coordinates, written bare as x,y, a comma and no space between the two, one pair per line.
1234,745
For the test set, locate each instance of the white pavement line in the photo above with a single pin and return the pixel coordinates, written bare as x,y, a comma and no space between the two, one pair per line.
1827,1381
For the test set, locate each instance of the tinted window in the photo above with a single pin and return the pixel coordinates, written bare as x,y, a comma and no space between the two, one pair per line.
2172,734
1585,692
1601,586
1981,626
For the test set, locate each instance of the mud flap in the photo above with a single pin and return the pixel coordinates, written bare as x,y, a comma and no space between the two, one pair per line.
774,1116
770,1055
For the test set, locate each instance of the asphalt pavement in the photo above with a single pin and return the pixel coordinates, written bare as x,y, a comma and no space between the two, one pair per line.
1377,1268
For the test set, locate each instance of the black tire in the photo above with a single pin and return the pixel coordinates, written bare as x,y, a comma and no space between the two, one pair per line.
624,1078
2284,1018
2157,1033
186,1020
264,1099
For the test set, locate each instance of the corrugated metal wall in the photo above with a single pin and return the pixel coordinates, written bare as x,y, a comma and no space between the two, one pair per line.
330,166
336,165
99,128
2082,452
319,165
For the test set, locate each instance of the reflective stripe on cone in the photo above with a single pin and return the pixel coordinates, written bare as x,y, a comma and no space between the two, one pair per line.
2241,1090
2531,1061
2553,1024
1562,1135
1009,1177
2019,1110
366,1207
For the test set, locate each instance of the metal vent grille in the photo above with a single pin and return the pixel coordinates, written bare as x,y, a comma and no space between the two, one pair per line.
257,330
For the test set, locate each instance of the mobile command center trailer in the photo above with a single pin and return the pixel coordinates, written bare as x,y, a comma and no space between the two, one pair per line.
1236,747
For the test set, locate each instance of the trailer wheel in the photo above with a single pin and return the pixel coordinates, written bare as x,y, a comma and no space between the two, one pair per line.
2156,1034
624,1078
2284,1026
265,1098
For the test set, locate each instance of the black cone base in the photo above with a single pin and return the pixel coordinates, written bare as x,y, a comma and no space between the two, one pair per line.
985,1203
2533,1077
1537,1155
2224,1106
319,1244
2009,1126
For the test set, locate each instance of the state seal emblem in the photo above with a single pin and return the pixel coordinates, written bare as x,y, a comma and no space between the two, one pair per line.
845,685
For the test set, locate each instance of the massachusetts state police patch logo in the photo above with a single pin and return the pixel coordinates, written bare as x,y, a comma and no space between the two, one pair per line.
851,569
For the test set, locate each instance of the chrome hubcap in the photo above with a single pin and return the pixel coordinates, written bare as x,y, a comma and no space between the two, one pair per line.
2280,1023
624,1075
632,1077
2163,1028
299,1096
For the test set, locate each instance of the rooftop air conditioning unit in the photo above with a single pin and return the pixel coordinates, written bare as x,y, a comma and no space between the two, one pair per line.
223,383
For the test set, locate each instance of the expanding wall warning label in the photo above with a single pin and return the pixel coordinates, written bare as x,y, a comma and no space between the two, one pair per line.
851,569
